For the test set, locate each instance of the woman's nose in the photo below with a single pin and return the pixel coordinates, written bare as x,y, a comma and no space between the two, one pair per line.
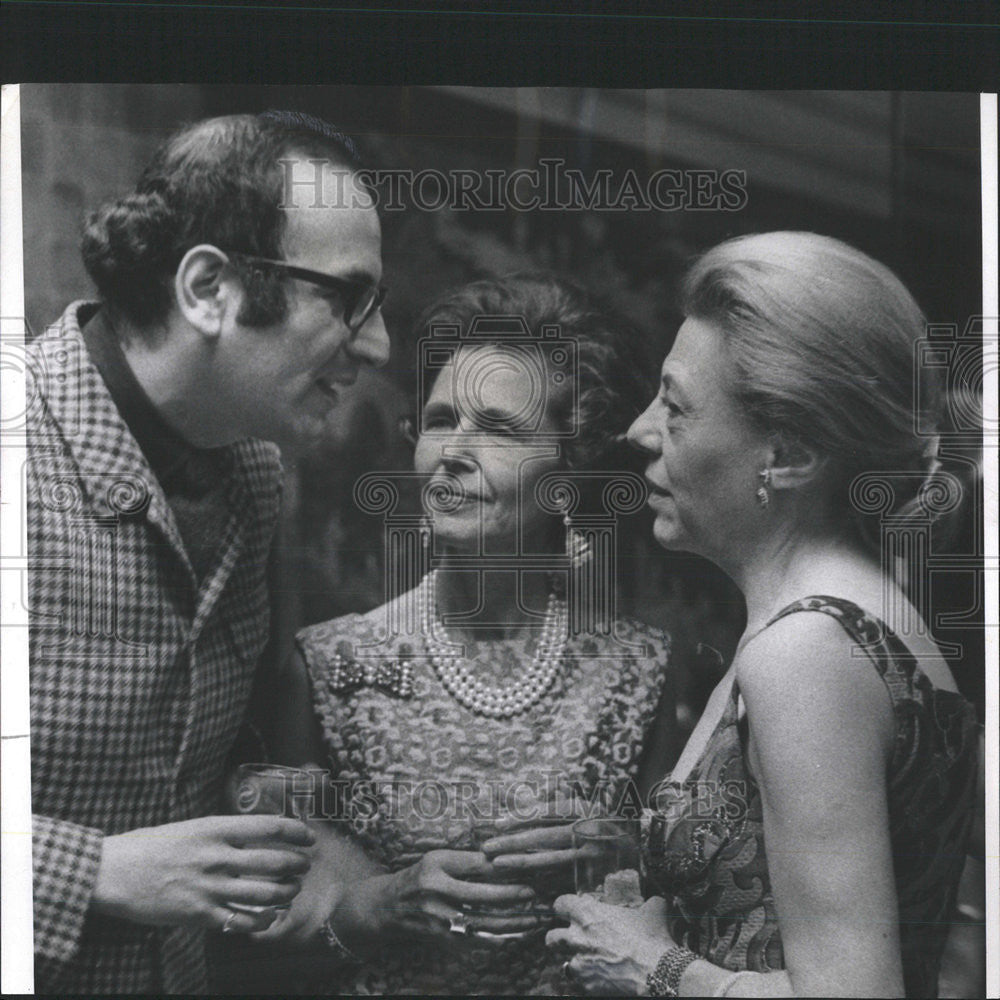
643,435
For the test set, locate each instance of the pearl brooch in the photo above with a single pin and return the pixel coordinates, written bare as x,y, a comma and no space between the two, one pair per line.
394,676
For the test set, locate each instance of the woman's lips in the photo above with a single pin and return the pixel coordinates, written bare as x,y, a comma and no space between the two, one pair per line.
461,496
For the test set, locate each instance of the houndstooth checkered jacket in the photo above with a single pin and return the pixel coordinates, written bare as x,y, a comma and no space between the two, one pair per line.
139,678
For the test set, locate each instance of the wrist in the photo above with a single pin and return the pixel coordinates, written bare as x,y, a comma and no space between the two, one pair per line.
703,979
356,916
665,979
108,896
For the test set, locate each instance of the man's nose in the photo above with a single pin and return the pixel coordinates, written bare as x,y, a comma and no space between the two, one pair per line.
371,343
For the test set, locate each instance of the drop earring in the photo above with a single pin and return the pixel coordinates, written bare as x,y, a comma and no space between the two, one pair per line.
763,497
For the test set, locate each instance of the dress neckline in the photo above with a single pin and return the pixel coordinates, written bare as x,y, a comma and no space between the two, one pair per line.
853,619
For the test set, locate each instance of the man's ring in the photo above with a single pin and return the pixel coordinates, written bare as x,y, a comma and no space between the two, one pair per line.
459,924
227,927
567,971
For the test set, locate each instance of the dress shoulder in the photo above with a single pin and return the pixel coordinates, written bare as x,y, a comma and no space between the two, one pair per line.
321,642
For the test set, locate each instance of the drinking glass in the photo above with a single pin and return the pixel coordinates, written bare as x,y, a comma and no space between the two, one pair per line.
606,866
547,883
274,790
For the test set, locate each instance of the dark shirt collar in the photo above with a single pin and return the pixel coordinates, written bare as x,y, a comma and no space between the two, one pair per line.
170,456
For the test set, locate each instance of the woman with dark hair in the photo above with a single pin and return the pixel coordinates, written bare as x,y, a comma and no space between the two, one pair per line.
810,838
488,693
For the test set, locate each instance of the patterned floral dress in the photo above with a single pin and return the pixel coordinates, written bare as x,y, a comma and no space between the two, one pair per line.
421,767
705,848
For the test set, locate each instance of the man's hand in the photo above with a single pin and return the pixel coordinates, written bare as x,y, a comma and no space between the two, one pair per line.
184,874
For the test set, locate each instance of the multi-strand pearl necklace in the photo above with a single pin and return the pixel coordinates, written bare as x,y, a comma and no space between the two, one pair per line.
469,690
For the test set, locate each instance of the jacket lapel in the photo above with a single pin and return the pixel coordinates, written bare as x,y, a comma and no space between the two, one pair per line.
114,475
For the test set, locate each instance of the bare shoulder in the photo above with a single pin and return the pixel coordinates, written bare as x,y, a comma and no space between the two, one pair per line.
804,674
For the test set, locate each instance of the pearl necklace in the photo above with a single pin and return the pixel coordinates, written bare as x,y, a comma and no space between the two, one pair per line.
469,690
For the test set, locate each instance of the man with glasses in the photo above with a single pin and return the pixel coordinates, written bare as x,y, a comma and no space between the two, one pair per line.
234,304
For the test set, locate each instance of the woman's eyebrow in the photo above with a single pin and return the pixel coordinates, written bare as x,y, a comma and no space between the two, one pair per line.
488,419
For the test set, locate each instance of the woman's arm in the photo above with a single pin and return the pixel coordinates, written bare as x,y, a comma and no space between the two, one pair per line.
821,732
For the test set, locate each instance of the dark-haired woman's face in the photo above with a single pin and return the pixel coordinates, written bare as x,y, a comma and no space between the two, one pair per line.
480,445
704,455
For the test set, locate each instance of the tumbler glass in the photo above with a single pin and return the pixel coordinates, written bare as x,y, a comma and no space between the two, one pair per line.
274,790
607,861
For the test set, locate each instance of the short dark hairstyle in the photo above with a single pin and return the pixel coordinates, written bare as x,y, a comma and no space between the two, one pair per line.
614,380
217,181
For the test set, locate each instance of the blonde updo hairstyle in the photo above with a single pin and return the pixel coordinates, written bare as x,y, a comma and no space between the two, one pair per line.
821,341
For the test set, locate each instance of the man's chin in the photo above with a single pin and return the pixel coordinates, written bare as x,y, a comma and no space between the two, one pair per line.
304,437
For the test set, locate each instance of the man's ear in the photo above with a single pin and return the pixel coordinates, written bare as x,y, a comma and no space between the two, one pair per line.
202,294
795,464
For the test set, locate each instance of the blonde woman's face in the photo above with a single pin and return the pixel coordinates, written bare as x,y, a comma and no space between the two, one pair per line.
704,456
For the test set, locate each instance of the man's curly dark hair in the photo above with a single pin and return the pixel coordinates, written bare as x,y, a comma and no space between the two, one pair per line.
218,181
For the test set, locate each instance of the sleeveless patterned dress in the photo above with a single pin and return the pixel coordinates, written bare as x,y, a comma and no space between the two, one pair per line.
709,858
421,766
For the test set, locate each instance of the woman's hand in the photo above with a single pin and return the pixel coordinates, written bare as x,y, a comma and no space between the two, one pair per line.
444,894
524,849
613,948
185,874
526,854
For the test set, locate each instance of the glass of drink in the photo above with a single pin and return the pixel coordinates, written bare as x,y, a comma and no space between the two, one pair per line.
606,865
275,790
547,882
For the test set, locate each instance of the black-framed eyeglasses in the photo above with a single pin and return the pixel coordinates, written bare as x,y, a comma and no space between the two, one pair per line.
361,298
